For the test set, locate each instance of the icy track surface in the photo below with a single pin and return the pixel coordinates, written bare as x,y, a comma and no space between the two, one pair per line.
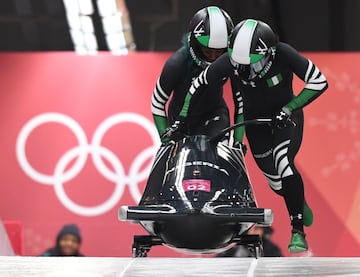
163,267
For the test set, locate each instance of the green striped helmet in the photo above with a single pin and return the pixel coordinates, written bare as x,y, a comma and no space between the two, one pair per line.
252,48
210,28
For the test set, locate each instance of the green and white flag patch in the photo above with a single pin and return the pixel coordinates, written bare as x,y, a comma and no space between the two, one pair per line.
274,80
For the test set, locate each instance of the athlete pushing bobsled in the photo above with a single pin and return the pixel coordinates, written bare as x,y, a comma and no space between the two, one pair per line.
261,69
198,191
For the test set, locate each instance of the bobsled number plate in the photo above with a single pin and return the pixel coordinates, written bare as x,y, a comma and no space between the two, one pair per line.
196,184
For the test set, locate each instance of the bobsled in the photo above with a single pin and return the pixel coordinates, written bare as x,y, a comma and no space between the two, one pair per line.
198,198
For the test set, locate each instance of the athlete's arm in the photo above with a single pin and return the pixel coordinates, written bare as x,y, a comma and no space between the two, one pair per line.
315,81
165,85
214,74
238,111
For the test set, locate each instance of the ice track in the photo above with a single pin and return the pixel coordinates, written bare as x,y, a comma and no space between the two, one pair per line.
18,266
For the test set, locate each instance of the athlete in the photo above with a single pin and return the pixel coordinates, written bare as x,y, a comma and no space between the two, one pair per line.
261,70
206,40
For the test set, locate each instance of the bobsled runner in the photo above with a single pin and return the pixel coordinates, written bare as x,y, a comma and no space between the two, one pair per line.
198,198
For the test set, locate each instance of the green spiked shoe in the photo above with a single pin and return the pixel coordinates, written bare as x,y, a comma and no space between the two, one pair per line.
298,242
308,215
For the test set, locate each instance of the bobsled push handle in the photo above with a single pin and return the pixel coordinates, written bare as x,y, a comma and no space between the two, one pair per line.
174,132
257,121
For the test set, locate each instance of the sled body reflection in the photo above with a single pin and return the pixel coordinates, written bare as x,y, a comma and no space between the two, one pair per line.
198,198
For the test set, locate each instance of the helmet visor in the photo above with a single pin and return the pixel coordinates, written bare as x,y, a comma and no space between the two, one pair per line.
211,54
250,71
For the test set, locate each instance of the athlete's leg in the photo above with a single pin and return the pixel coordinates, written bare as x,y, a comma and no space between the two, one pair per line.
260,141
274,152
287,142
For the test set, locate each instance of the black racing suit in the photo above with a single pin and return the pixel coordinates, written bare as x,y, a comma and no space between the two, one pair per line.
273,149
209,112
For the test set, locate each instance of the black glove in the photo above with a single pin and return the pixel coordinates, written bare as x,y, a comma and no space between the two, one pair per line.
173,132
282,119
242,146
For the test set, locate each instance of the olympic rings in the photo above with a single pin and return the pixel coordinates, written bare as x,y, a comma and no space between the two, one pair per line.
116,174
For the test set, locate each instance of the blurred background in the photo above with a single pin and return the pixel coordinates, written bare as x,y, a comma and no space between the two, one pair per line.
158,25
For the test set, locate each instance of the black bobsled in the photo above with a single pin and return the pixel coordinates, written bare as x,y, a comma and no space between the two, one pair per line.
198,198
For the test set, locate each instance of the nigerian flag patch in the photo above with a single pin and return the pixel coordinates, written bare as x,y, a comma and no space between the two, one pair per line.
274,80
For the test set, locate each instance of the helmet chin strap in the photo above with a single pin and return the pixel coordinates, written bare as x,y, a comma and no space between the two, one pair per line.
269,63
266,68
202,64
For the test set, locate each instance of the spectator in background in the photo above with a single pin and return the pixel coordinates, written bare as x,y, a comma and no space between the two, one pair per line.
68,243
269,247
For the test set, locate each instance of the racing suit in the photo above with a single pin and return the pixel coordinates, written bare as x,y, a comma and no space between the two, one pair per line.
273,149
208,113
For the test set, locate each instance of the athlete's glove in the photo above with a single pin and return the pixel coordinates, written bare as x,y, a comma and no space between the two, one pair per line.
242,146
282,119
173,132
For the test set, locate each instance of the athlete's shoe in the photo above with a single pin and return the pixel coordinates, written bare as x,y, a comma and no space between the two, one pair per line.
308,215
298,242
